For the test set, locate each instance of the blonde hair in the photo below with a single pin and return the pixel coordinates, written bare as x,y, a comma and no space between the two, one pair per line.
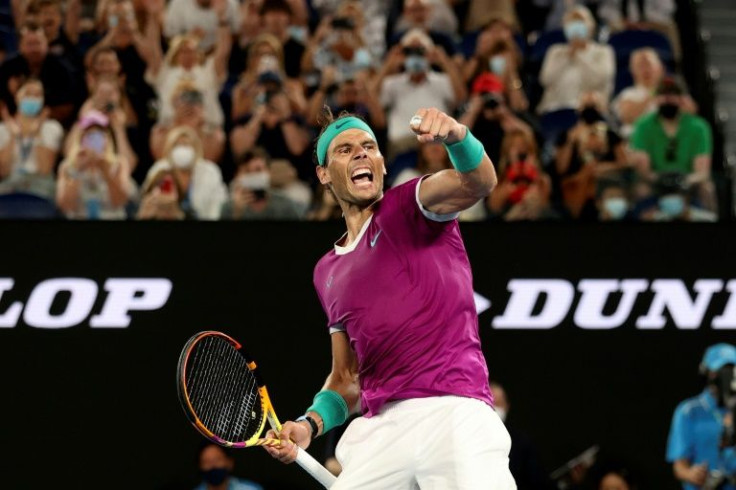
184,86
584,12
177,43
508,139
110,154
272,42
177,133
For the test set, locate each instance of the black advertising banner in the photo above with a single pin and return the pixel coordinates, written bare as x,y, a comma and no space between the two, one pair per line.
596,332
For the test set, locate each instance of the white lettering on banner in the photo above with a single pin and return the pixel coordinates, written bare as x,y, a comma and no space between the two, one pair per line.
123,298
124,295
687,311
524,295
10,318
595,293
38,310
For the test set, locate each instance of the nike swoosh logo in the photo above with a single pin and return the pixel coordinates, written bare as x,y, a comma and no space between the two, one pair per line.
375,238
338,126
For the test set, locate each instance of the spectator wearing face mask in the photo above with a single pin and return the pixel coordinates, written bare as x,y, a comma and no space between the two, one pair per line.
402,94
29,144
161,198
199,179
251,194
589,151
216,466
612,201
580,65
524,461
502,60
488,116
434,18
670,140
94,180
277,19
672,202
557,10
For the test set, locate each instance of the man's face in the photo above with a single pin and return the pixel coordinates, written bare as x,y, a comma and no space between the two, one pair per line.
355,168
212,457
275,21
33,46
253,166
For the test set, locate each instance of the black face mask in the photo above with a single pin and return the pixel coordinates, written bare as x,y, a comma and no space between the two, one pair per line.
724,385
590,115
215,476
669,110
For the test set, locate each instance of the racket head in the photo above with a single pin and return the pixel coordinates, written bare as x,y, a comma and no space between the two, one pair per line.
220,390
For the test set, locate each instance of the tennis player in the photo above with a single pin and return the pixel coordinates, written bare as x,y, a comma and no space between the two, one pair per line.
397,290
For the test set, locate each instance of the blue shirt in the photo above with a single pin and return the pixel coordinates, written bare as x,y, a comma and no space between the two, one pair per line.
235,484
695,435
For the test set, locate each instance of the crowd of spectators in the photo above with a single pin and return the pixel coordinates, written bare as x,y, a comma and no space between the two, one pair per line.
209,109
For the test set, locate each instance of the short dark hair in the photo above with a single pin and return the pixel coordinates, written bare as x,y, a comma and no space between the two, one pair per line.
257,152
30,26
205,444
275,6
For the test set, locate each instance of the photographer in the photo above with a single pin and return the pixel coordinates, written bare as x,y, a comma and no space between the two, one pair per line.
251,196
700,445
489,117
588,151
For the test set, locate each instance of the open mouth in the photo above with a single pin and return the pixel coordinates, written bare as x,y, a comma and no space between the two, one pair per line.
362,175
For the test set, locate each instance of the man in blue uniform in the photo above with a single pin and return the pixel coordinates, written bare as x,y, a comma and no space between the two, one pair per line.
701,445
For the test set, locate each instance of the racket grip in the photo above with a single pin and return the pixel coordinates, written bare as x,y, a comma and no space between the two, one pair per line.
312,466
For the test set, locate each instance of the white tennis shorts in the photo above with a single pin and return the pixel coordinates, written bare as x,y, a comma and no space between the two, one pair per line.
437,443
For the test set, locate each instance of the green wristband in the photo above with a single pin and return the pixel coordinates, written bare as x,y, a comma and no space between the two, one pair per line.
466,155
331,406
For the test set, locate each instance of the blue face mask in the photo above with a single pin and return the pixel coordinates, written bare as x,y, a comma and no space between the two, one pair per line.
298,33
30,106
672,205
362,59
416,64
616,207
112,21
498,65
215,476
576,29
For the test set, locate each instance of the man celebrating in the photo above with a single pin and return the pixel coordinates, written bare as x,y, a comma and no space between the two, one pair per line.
397,290
700,445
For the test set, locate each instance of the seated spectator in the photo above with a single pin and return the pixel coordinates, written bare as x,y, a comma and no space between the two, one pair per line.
251,195
613,200
651,15
104,65
161,198
107,99
523,191
558,9
489,117
271,124
199,179
355,96
205,19
276,18
588,151
29,144
188,104
33,60
186,61
62,39
402,94
430,17
670,140
639,99
264,67
578,66
134,51
94,180
502,60
216,466
481,13
337,42
673,202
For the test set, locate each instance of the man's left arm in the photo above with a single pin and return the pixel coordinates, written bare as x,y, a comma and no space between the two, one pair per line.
473,177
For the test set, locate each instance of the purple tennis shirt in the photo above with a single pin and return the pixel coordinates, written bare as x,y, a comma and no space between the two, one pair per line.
403,292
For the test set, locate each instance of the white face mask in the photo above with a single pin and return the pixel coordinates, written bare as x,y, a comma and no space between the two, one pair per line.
255,181
502,413
183,156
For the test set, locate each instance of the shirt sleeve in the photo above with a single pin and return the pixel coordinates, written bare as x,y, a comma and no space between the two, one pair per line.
704,144
638,137
679,442
51,135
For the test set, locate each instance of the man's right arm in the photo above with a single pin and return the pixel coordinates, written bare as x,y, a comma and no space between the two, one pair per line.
690,473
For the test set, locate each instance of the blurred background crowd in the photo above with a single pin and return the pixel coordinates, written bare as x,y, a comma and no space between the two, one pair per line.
209,109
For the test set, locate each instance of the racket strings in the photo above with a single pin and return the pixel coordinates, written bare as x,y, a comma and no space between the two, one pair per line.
222,391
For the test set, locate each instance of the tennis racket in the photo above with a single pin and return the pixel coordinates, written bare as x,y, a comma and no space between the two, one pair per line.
225,399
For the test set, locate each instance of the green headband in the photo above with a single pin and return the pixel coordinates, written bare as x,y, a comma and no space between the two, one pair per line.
335,128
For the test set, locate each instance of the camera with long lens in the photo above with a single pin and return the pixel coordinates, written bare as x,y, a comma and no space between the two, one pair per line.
272,83
413,51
